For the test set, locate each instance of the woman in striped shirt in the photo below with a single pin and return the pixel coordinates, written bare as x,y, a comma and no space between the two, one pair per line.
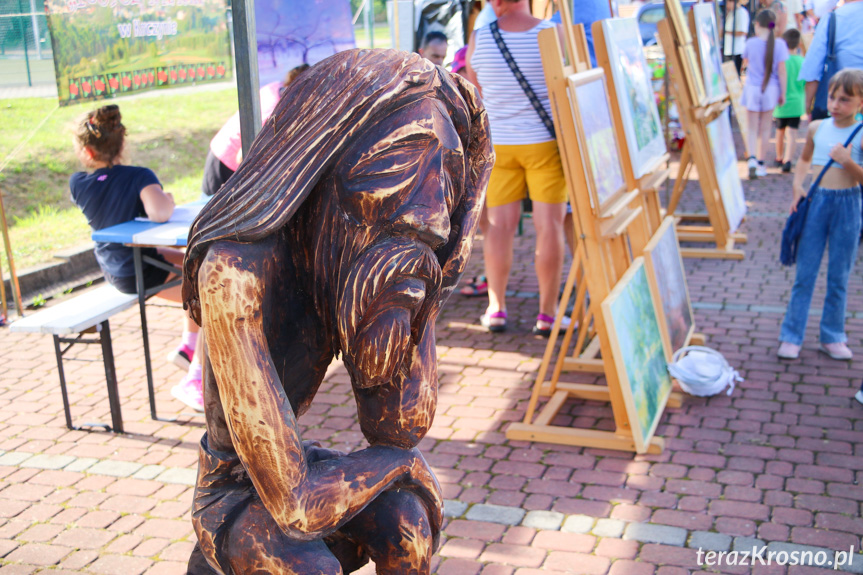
527,158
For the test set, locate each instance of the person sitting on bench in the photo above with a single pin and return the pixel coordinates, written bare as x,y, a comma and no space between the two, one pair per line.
110,193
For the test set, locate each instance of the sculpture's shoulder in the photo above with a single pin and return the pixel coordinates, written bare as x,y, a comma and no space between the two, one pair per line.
226,256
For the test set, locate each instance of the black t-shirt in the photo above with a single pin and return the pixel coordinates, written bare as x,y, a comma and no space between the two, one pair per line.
111,196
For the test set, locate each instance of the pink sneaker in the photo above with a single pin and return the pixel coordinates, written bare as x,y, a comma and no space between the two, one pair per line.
190,392
837,350
788,351
182,356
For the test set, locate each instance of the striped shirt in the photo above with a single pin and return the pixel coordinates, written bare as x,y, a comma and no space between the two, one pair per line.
512,119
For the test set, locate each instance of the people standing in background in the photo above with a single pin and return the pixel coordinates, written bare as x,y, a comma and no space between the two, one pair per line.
764,88
794,8
736,30
788,114
848,46
807,26
527,157
112,193
778,9
434,47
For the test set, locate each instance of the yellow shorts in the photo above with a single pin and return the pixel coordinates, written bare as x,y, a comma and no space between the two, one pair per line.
534,167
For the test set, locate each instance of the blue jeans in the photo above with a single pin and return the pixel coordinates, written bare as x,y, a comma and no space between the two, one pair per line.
833,219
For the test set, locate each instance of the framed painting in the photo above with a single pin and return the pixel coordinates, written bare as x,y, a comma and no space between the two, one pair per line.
725,163
692,74
635,98
668,284
678,21
596,138
638,352
709,51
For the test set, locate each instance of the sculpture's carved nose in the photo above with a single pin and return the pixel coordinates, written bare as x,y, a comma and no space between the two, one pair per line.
430,224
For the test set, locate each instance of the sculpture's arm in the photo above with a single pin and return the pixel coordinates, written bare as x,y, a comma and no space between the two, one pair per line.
306,501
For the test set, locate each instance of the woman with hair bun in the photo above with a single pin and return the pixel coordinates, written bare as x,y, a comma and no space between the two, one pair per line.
110,193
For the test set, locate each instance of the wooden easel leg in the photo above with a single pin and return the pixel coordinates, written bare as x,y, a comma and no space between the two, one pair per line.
582,437
13,277
567,339
682,177
4,312
552,339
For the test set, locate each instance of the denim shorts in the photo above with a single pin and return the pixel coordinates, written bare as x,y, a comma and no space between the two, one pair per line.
153,276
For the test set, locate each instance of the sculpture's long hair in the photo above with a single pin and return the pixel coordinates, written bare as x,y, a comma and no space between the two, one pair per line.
317,117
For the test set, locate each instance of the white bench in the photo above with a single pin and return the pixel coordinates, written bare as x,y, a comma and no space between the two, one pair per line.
68,322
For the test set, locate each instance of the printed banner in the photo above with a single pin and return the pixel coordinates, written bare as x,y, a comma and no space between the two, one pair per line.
107,47
295,32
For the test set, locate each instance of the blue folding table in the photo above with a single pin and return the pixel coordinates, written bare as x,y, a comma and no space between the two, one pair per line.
141,233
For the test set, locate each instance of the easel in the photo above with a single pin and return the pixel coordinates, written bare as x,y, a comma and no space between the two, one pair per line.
601,258
655,175
735,91
13,279
695,114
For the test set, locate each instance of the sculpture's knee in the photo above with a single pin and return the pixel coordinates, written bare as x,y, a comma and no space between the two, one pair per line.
391,433
395,532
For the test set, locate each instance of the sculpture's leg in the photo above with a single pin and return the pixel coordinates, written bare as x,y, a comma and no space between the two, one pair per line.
256,545
395,532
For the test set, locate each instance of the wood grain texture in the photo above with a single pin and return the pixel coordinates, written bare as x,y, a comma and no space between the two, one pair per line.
343,233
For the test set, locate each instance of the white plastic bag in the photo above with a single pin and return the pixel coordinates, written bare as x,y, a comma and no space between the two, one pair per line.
702,371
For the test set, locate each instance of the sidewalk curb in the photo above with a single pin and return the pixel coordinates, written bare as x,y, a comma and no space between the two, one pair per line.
72,267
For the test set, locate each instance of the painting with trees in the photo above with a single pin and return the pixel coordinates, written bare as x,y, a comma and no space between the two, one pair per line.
638,352
295,32
117,46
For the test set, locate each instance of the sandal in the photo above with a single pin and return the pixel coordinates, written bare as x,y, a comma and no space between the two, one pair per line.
478,286
544,323
494,322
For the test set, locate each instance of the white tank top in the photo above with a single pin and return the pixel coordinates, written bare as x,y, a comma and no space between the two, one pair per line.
512,119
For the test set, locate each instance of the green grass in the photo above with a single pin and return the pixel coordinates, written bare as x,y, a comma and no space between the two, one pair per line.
381,32
168,132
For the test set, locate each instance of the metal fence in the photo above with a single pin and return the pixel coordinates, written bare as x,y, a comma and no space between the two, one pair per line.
26,58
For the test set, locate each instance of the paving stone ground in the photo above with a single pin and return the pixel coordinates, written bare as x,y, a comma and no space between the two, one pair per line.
775,465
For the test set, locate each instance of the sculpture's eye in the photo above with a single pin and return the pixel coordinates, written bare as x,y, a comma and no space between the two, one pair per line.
391,157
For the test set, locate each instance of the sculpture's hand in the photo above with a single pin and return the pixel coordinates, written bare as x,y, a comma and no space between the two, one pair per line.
315,452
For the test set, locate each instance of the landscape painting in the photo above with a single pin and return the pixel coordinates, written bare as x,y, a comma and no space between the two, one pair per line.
668,282
295,32
635,99
725,162
638,352
708,50
593,116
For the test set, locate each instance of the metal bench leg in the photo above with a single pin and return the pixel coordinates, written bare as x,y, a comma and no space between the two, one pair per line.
65,395
145,335
111,377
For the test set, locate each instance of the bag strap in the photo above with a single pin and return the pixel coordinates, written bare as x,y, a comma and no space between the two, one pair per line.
831,37
522,81
831,162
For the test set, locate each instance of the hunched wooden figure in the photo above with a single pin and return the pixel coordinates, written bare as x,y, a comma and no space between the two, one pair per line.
344,231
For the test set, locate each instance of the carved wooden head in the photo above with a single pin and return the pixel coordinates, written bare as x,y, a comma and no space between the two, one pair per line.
375,164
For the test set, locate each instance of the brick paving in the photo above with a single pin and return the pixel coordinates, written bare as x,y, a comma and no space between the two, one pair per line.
777,464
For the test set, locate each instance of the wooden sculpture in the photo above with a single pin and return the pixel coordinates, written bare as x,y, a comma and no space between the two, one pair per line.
344,231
